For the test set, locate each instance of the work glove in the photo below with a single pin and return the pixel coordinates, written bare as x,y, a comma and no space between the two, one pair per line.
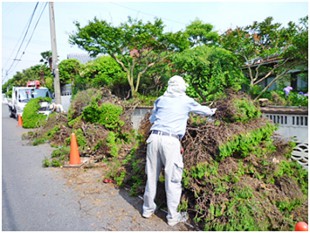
210,118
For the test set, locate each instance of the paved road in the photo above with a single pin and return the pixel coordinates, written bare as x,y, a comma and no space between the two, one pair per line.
34,198
45,199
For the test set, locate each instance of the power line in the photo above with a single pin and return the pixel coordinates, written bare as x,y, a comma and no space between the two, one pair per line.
145,13
10,58
15,59
34,30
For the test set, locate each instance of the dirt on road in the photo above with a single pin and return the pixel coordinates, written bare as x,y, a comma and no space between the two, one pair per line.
114,208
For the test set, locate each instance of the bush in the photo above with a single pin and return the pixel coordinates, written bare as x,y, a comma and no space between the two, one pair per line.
81,100
246,110
296,99
31,117
110,116
107,115
293,99
111,142
91,113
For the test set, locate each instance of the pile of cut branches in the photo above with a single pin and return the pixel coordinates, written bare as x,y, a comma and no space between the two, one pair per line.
101,123
238,173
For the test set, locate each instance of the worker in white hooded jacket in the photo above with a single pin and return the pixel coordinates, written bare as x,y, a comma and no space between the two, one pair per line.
169,119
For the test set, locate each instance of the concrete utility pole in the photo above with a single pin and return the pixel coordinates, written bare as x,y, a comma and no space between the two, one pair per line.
54,54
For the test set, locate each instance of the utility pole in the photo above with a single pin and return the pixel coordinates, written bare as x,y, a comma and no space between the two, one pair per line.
54,54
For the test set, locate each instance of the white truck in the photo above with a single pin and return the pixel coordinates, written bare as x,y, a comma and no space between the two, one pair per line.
22,95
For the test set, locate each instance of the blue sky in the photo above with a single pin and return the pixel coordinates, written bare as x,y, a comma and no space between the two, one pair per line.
175,14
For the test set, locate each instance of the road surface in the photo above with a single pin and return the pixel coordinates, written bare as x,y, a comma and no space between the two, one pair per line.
34,198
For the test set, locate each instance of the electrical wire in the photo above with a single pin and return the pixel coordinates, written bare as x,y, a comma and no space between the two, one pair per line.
33,30
145,13
15,48
24,51
30,21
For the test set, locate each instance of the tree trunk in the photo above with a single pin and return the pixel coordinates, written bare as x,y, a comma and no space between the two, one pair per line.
269,85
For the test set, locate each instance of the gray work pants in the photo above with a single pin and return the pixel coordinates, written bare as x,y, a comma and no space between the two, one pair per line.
163,151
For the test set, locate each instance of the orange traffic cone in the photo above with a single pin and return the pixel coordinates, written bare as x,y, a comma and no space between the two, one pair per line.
20,120
74,151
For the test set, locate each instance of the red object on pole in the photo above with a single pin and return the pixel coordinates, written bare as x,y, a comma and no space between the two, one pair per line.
74,151
301,226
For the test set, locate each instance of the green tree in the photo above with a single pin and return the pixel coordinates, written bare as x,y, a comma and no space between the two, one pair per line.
141,49
199,33
47,59
134,45
297,48
158,76
268,50
209,71
103,71
69,70
37,72
195,34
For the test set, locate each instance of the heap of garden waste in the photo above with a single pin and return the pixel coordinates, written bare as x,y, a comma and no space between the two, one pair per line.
101,123
238,175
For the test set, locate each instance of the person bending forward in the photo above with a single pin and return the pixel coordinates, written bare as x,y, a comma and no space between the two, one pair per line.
169,119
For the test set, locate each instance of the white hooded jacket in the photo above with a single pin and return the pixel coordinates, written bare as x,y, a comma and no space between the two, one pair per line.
171,111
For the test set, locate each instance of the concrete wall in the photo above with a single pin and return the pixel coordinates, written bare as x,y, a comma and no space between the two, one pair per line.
138,116
291,126
65,102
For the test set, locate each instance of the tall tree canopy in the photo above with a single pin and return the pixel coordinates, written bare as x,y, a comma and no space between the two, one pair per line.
104,71
209,71
138,46
47,59
135,46
199,33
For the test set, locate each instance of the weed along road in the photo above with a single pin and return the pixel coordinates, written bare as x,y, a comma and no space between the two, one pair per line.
35,198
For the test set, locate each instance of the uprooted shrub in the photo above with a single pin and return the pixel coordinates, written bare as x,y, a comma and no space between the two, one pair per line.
237,183
236,108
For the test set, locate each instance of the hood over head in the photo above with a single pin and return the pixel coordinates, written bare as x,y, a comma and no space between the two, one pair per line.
176,86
